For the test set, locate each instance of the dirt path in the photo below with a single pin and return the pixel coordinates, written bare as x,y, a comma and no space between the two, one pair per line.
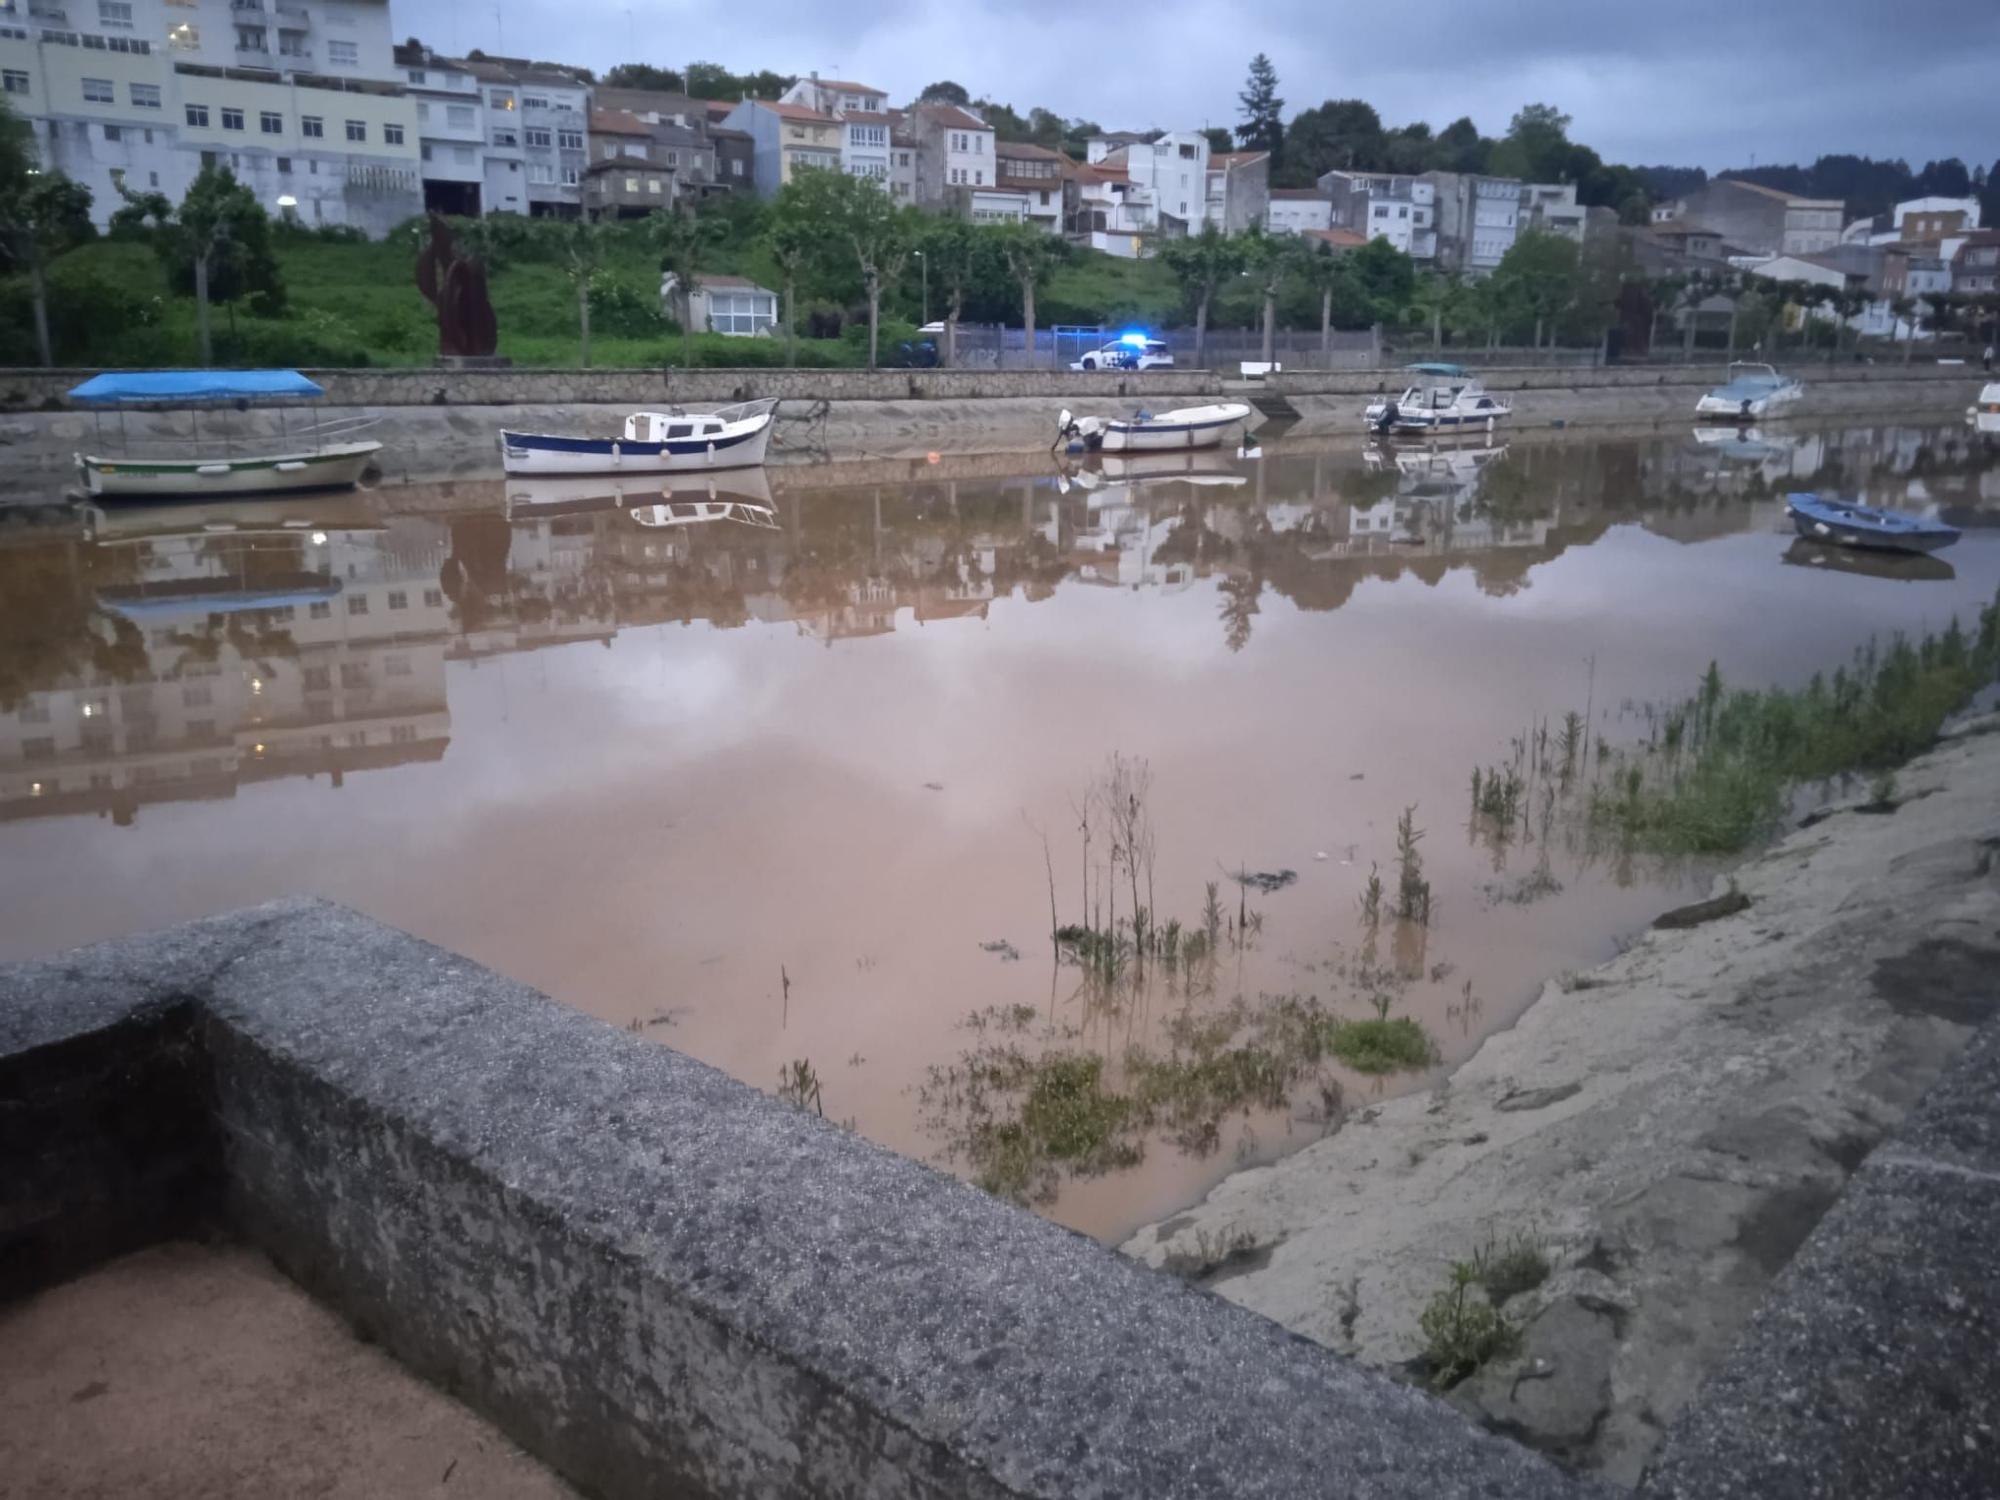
1670,1125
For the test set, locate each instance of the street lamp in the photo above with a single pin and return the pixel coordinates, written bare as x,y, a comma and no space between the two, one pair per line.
925,267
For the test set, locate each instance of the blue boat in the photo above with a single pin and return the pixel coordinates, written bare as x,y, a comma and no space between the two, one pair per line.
1865,526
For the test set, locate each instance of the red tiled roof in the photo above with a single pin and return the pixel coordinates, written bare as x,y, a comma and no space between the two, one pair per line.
952,115
839,83
617,122
795,112
1301,194
1026,150
1339,239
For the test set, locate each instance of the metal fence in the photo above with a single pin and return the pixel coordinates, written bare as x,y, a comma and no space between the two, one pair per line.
988,346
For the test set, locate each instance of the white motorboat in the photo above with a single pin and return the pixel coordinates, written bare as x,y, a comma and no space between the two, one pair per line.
1442,398
1752,391
1144,431
1984,414
654,442
671,513
225,460
588,492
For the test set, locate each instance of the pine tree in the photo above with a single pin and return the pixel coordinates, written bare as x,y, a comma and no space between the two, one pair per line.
1263,127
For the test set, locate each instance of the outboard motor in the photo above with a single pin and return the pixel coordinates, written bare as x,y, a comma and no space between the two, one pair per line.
1387,421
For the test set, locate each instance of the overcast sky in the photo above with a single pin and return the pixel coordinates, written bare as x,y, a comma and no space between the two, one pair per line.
1712,83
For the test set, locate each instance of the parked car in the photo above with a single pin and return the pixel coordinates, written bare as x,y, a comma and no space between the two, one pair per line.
1129,353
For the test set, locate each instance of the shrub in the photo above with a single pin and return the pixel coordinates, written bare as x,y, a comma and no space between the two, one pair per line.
1462,1331
1380,1045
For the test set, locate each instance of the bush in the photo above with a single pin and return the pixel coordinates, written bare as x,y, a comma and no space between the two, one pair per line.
620,309
1381,1046
1461,1331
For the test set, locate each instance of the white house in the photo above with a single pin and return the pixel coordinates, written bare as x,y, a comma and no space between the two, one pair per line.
732,305
1386,206
1932,218
1239,189
1295,210
834,96
954,151
865,144
1170,169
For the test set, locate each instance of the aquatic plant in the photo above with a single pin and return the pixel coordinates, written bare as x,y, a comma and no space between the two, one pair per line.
1381,1045
1413,892
798,1086
1462,1331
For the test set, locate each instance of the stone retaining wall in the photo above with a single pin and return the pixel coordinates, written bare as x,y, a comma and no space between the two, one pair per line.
659,1280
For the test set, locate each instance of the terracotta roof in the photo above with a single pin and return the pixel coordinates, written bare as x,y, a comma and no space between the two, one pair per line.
794,112
841,83
1681,228
1236,158
952,115
1339,239
1023,150
617,122
1301,194
1098,172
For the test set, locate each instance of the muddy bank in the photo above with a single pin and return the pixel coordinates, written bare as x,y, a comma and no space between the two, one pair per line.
1669,1126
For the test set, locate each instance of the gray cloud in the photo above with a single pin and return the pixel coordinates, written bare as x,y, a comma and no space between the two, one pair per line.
1704,82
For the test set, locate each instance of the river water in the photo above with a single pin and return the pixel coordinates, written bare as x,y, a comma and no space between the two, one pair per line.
801,785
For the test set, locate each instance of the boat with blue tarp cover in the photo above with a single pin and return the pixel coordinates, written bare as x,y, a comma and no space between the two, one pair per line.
230,458
653,442
1865,526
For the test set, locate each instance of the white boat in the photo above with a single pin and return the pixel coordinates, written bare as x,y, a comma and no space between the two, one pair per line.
1984,414
560,494
1443,398
219,462
1144,431
1752,391
699,512
654,442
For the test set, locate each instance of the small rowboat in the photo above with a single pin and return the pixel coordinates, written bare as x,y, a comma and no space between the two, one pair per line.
1865,526
654,442
1145,431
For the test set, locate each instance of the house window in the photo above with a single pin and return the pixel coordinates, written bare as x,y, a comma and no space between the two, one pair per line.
357,130
312,127
144,95
232,119
653,186
114,133
500,99
458,116
343,54
99,91
631,184
398,599
184,37
570,140
357,604
736,166
506,138
537,137
416,76
533,101
744,312
285,165
250,39
293,44
570,177
541,173
116,14
271,122
14,81
197,114
392,135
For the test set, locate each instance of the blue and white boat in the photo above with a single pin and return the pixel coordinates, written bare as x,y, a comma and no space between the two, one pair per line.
1865,526
1752,391
1439,397
654,442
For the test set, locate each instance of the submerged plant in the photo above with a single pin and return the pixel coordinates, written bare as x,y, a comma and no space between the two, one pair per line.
798,1086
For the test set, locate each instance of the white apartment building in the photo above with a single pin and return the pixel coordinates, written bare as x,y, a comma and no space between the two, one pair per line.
834,96
536,121
1169,170
954,153
451,126
301,104
1478,219
1388,206
865,144
1295,210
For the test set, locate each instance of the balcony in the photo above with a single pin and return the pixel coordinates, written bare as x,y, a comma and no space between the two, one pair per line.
293,15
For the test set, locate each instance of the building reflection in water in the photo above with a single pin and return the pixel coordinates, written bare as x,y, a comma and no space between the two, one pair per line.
176,653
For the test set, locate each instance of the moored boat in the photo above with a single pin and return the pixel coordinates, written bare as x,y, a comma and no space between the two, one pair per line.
225,460
1144,431
1441,397
1984,414
1864,526
653,442
1752,391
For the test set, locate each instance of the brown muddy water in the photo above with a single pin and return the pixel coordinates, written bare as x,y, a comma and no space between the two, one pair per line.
777,793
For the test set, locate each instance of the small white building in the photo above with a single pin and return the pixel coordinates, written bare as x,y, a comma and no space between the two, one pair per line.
834,96
1168,171
1933,218
733,305
954,150
1295,210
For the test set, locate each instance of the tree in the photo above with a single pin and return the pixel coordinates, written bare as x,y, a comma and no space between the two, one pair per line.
682,239
1031,255
1433,297
853,221
1220,141
1460,147
219,226
643,76
1338,135
583,251
1263,127
1203,263
792,237
1537,278
955,254
42,214
944,91
1537,147
1268,258
1320,267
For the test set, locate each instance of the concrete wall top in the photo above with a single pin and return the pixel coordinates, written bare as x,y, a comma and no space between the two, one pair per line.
663,1281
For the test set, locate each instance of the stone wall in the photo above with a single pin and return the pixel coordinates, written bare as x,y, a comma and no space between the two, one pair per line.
664,1282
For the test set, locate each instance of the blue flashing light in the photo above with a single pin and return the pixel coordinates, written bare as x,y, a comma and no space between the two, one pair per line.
1135,337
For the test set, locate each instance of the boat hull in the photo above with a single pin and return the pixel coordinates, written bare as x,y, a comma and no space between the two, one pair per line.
545,453
1872,531
1746,411
335,466
1158,437
1421,422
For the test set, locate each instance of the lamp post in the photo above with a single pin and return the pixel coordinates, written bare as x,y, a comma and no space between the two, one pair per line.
924,266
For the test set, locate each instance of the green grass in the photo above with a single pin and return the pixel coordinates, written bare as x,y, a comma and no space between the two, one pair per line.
1381,1046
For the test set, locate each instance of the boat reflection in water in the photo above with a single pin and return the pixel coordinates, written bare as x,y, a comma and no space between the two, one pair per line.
1901,567
581,494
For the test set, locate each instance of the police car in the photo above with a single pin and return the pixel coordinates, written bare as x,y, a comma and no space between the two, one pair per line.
1131,351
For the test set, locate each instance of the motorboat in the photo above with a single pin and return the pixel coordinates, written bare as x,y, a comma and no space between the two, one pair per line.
653,442
1984,414
1145,431
1440,397
1752,391
227,459
671,513
1864,526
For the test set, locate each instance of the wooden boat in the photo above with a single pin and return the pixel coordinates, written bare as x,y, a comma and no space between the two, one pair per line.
1146,431
1443,398
654,442
1752,391
219,462
1864,526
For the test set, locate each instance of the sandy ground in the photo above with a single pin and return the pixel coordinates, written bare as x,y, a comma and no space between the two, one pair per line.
197,1370
1670,1126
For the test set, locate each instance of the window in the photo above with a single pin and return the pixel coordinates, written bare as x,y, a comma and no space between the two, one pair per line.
116,14
354,674
343,54
570,140
392,135
500,99
653,186
197,114
533,101
416,76
506,138
293,44
979,179
398,599
312,127
425,151
538,137
114,133
99,91
736,166
357,130
271,122
742,312
319,610
396,665
285,166
458,116
571,177
144,95
423,113
541,174
433,598
14,81
184,37
402,734
232,119
250,39
357,604
627,148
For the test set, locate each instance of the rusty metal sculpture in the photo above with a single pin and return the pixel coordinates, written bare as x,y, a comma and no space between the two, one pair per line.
454,282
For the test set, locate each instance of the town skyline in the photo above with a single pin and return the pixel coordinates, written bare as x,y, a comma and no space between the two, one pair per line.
1642,90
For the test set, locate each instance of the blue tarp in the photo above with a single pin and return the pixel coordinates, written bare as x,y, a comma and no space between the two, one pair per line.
124,387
